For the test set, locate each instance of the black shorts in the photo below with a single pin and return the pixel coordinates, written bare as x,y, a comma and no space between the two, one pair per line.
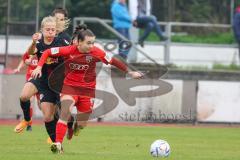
45,93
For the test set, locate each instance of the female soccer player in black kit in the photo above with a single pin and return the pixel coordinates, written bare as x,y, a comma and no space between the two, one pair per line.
48,98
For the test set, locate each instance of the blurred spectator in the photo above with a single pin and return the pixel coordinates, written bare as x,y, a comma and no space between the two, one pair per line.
121,22
145,20
236,27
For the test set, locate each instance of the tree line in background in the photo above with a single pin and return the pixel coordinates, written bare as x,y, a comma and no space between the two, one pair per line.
201,11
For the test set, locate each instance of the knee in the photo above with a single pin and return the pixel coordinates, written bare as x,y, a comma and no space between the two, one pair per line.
150,25
47,118
153,18
64,116
24,97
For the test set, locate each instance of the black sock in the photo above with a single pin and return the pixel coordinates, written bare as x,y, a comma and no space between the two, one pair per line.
51,129
70,123
26,109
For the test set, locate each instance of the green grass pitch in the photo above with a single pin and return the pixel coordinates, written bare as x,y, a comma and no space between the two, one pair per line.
124,143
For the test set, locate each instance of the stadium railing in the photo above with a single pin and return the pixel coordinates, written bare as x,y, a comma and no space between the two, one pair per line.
168,30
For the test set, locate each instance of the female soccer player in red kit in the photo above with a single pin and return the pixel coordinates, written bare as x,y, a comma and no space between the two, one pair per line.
80,77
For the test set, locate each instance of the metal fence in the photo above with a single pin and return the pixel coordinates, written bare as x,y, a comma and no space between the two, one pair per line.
167,10
168,27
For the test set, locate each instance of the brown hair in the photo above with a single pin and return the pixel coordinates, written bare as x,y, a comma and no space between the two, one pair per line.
60,10
81,31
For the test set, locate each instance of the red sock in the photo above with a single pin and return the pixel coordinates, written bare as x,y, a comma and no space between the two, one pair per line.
60,131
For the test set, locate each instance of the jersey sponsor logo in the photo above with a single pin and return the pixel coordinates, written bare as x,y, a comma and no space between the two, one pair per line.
79,67
55,50
51,60
108,57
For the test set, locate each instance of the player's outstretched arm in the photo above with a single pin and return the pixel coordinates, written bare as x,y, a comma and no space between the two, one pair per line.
32,47
24,61
120,65
19,67
55,52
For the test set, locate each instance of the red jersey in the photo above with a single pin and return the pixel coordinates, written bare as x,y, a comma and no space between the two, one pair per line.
80,68
31,66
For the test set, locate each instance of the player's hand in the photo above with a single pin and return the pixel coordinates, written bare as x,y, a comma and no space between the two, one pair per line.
37,72
16,70
36,36
28,61
135,74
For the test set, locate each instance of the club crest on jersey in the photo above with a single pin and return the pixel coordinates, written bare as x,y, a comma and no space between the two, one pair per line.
88,59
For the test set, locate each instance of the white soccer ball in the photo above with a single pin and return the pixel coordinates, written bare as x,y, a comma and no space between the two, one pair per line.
160,148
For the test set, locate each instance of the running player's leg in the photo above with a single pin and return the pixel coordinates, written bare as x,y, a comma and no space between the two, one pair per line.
48,110
70,124
28,91
67,102
70,127
48,100
84,108
56,117
29,127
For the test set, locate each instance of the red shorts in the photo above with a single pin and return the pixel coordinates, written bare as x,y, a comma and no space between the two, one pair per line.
83,104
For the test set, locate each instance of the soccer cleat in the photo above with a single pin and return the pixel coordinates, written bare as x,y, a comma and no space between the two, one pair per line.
69,133
57,148
22,125
49,141
76,129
